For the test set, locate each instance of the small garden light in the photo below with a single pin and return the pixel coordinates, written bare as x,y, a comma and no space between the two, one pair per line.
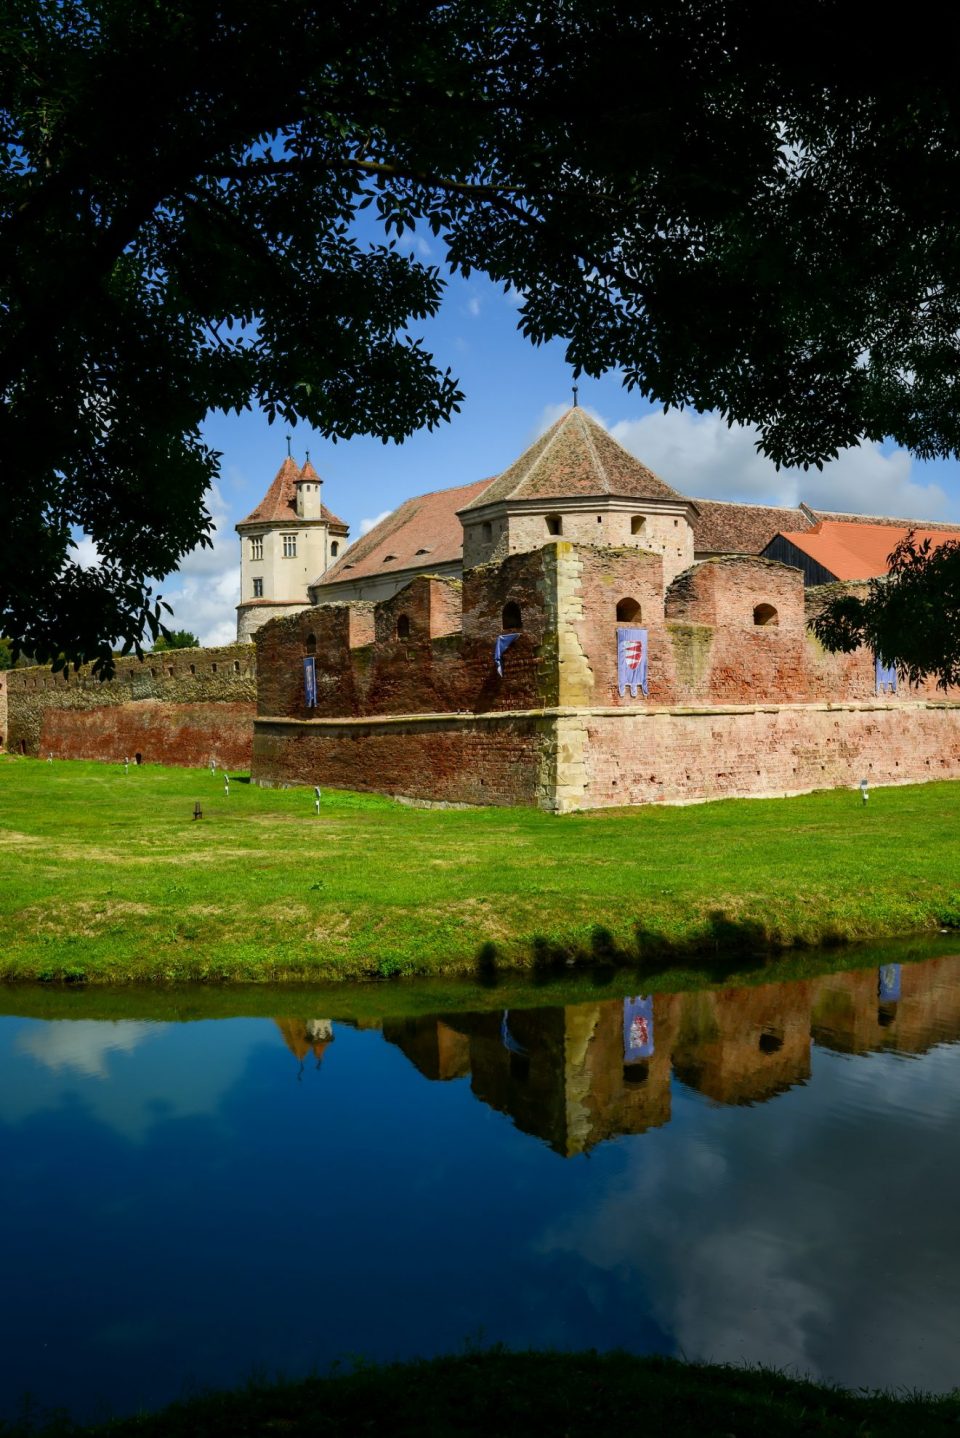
864,789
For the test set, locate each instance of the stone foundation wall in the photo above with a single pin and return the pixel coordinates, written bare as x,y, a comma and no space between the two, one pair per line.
181,706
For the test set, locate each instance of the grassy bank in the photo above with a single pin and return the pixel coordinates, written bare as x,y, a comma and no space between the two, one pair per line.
107,878
524,1393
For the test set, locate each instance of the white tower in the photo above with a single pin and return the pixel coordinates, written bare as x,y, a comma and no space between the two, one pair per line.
286,543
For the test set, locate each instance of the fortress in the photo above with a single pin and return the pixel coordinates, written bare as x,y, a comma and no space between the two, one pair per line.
571,634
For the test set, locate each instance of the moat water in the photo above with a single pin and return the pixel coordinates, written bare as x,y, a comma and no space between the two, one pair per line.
763,1174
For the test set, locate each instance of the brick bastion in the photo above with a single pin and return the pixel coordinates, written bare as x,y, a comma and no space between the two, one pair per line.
181,706
742,700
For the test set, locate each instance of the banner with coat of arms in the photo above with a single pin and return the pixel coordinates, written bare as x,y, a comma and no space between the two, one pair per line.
637,1028
632,661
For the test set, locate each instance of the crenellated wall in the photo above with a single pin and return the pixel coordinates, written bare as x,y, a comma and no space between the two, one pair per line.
742,699
180,706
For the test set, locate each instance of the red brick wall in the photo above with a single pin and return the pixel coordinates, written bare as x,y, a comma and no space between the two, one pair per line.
187,734
471,761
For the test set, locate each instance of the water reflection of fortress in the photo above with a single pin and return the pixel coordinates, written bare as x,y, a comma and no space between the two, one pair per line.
575,1076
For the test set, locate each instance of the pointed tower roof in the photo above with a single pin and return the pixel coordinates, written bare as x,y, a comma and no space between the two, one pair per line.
279,504
576,457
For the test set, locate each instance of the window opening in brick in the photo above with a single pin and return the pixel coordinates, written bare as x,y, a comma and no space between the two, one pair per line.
258,589
289,546
311,644
599,518
637,523
138,757
193,669
403,626
236,666
511,617
213,669
771,1042
170,670
765,614
554,524
636,1074
628,612
487,529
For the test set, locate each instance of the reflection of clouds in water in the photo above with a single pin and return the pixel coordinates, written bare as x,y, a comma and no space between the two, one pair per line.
812,1233
82,1044
128,1074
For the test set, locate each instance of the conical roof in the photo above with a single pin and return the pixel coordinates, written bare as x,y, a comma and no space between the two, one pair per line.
280,500
576,457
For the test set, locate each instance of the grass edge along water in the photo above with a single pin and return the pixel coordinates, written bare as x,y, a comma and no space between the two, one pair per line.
109,879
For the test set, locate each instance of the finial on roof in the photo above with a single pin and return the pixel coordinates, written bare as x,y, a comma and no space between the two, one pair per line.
289,456
308,456
575,393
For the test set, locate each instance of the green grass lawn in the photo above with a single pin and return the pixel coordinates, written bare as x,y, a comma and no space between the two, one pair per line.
106,877
561,1395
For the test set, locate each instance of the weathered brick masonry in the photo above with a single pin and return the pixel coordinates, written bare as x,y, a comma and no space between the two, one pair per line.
742,699
182,706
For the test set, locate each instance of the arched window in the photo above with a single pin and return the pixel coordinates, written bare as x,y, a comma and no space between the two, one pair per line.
637,523
765,614
403,626
311,644
554,524
628,612
334,549
511,617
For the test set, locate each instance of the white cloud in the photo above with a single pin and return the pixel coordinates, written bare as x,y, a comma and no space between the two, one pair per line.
82,1045
473,306
367,524
86,553
207,585
700,455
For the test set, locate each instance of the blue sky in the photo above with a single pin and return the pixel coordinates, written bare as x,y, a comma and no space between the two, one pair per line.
513,391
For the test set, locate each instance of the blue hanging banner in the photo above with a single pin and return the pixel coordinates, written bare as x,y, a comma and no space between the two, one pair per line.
886,677
310,681
632,661
500,648
637,1028
506,1037
888,982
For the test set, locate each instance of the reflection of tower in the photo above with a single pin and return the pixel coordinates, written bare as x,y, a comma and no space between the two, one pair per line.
560,1073
856,1013
305,1036
744,1045
432,1046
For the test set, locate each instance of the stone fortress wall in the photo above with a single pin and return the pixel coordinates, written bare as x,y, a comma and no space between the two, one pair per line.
742,699
180,706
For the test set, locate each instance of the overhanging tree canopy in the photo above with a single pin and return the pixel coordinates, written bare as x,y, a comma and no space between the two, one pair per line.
738,219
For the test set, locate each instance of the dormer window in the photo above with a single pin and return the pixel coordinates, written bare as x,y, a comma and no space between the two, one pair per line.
387,558
424,551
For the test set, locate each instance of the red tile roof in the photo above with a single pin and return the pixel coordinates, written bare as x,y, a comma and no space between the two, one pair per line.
422,533
859,548
280,500
723,527
576,456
